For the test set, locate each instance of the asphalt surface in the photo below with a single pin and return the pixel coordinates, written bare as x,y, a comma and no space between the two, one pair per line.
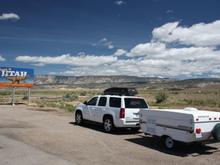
31,136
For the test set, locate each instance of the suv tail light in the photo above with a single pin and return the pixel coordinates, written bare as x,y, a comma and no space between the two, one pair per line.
122,113
198,130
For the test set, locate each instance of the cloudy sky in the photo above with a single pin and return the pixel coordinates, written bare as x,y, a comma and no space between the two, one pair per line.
164,38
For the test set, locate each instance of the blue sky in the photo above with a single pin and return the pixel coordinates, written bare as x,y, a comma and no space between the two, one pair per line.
112,37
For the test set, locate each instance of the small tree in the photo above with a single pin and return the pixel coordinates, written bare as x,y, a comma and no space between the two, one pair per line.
161,97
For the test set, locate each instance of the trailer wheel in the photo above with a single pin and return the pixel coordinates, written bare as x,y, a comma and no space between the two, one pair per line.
216,132
168,142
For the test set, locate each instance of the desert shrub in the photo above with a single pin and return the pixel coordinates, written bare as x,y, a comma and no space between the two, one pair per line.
83,93
161,97
175,89
197,102
25,98
99,93
70,97
66,107
70,108
4,93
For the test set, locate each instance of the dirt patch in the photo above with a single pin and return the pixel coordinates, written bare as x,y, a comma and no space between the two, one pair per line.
16,125
11,135
55,134
43,109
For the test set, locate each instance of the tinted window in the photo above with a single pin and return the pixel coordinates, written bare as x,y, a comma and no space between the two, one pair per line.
92,101
102,101
135,103
115,102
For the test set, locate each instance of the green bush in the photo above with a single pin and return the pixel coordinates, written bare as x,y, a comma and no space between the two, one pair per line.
161,97
25,98
70,108
83,93
70,97
4,93
66,107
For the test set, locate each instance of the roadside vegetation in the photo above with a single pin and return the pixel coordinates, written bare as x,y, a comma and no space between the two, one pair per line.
66,99
161,97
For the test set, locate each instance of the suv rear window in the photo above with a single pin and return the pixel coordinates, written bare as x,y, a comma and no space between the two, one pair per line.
102,101
135,103
115,102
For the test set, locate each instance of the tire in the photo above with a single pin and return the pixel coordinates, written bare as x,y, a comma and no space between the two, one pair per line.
108,125
216,132
78,118
168,142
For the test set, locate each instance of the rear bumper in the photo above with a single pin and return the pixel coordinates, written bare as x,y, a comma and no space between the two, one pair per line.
205,138
127,124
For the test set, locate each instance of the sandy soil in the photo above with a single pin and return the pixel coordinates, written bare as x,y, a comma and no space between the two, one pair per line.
31,136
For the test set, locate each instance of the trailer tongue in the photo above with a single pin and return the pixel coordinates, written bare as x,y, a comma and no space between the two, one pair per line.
185,125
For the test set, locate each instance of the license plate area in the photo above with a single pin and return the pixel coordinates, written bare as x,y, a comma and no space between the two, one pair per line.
136,116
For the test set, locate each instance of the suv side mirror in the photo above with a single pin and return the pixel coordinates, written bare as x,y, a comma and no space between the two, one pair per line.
85,102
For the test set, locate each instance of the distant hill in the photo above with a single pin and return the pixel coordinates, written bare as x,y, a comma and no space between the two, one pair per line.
90,81
129,81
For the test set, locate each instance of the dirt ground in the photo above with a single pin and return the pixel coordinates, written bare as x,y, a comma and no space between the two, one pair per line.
31,136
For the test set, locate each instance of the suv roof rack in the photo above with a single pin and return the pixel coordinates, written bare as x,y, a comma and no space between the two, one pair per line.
120,91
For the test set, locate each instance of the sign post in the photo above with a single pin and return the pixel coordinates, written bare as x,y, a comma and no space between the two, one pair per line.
13,97
16,77
29,95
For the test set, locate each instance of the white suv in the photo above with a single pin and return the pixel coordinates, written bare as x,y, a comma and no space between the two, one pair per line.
112,111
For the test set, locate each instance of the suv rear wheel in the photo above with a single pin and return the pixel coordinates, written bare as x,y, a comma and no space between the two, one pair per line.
108,125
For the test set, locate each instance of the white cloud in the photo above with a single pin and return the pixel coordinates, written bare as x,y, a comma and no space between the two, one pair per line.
125,67
169,11
105,42
171,62
200,34
119,3
7,16
67,59
145,49
120,52
183,58
39,64
175,62
110,46
2,58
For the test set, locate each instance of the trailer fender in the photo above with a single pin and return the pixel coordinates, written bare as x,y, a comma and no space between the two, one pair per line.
216,132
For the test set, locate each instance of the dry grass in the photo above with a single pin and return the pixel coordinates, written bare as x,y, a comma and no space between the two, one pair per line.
207,97
204,97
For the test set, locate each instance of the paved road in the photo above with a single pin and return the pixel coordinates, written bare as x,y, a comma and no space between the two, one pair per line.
31,136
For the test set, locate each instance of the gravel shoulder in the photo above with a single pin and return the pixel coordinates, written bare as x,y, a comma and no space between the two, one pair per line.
31,136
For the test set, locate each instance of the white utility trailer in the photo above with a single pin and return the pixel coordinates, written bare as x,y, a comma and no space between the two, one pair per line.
185,125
